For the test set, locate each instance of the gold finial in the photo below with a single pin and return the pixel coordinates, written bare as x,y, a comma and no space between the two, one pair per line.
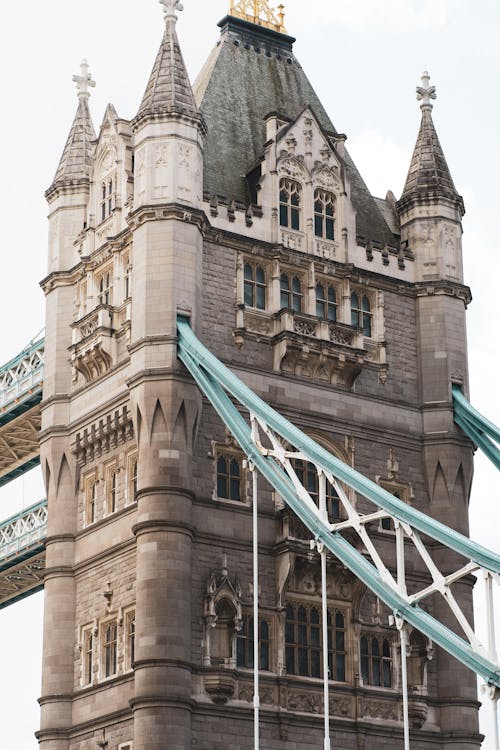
259,12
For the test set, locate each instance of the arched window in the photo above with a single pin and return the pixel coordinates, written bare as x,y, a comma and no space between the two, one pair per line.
324,214
88,656
303,642
326,302
107,196
376,661
130,642
229,478
106,289
290,292
308,477
110,632
290,201
244,645
132,479
255,286
361,316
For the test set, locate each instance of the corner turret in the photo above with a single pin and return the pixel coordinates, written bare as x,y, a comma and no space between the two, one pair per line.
69,193
430,207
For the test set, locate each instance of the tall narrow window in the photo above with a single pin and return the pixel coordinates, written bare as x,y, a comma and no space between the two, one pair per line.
229,478
103,201
110,197
290,200
326,302
110,638
290,292
132,479
127,281
307,475
130,639
361,315
324,214
376,661
255,287
105,289
111,487
336,646
245,648
91,500
88,656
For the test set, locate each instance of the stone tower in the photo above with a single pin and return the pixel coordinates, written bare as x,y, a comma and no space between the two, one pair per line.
235,203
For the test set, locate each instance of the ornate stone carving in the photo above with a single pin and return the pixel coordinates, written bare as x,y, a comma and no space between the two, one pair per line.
291,167
292,240
103,436
325,249
307,703
377,709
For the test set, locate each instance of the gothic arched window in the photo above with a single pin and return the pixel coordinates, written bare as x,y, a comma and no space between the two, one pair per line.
254,286
303,642
376,661
290,202
107,195
244,644
229,477
110,639
290,292
308,477
326,302
324,214
361,314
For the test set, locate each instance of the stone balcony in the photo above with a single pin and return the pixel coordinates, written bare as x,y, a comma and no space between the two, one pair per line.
94,346
306,346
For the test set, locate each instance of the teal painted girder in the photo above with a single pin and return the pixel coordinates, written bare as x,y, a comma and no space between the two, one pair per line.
213,377
483,432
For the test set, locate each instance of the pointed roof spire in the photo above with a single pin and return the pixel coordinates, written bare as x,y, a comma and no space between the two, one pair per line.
76,160
169,89
429,175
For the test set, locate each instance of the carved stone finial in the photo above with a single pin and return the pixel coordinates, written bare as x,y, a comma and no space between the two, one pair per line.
84,80
426,92
170,6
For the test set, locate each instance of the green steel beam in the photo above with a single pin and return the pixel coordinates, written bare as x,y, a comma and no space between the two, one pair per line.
190,345
334,542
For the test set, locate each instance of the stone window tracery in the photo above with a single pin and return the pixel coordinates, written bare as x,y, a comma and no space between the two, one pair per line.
326,302
254,286
290,203
105,295
90,500
324,214
361,313
245,644
129,639
132,478
111,488
109,648
291,294
107,198
376,660
229,477
303,642
308,477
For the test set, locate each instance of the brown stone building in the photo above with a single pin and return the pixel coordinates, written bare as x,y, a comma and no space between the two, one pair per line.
235,202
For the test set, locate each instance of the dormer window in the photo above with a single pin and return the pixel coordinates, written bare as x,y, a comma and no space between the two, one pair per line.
107,194
324,214
290,202
361,314
290,292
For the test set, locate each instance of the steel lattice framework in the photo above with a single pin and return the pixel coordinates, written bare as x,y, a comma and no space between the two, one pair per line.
271,442
21,379
22,555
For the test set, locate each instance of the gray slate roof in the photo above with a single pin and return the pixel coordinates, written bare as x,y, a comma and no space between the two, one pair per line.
76,160
168,88
429,174
251,73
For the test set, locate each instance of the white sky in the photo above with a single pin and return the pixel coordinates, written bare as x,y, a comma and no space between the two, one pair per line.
364,58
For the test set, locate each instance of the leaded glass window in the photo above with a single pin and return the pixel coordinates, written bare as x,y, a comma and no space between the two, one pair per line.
290,202
376,661
229,477
326,302
254,286
324,214
290,292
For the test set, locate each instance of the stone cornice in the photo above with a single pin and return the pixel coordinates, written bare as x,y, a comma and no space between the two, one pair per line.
168,211
67,186
440,287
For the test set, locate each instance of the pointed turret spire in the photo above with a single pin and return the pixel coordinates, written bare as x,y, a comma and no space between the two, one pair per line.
76,160
169,89
429,175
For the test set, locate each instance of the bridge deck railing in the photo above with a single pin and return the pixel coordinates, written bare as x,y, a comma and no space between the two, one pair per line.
23,531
